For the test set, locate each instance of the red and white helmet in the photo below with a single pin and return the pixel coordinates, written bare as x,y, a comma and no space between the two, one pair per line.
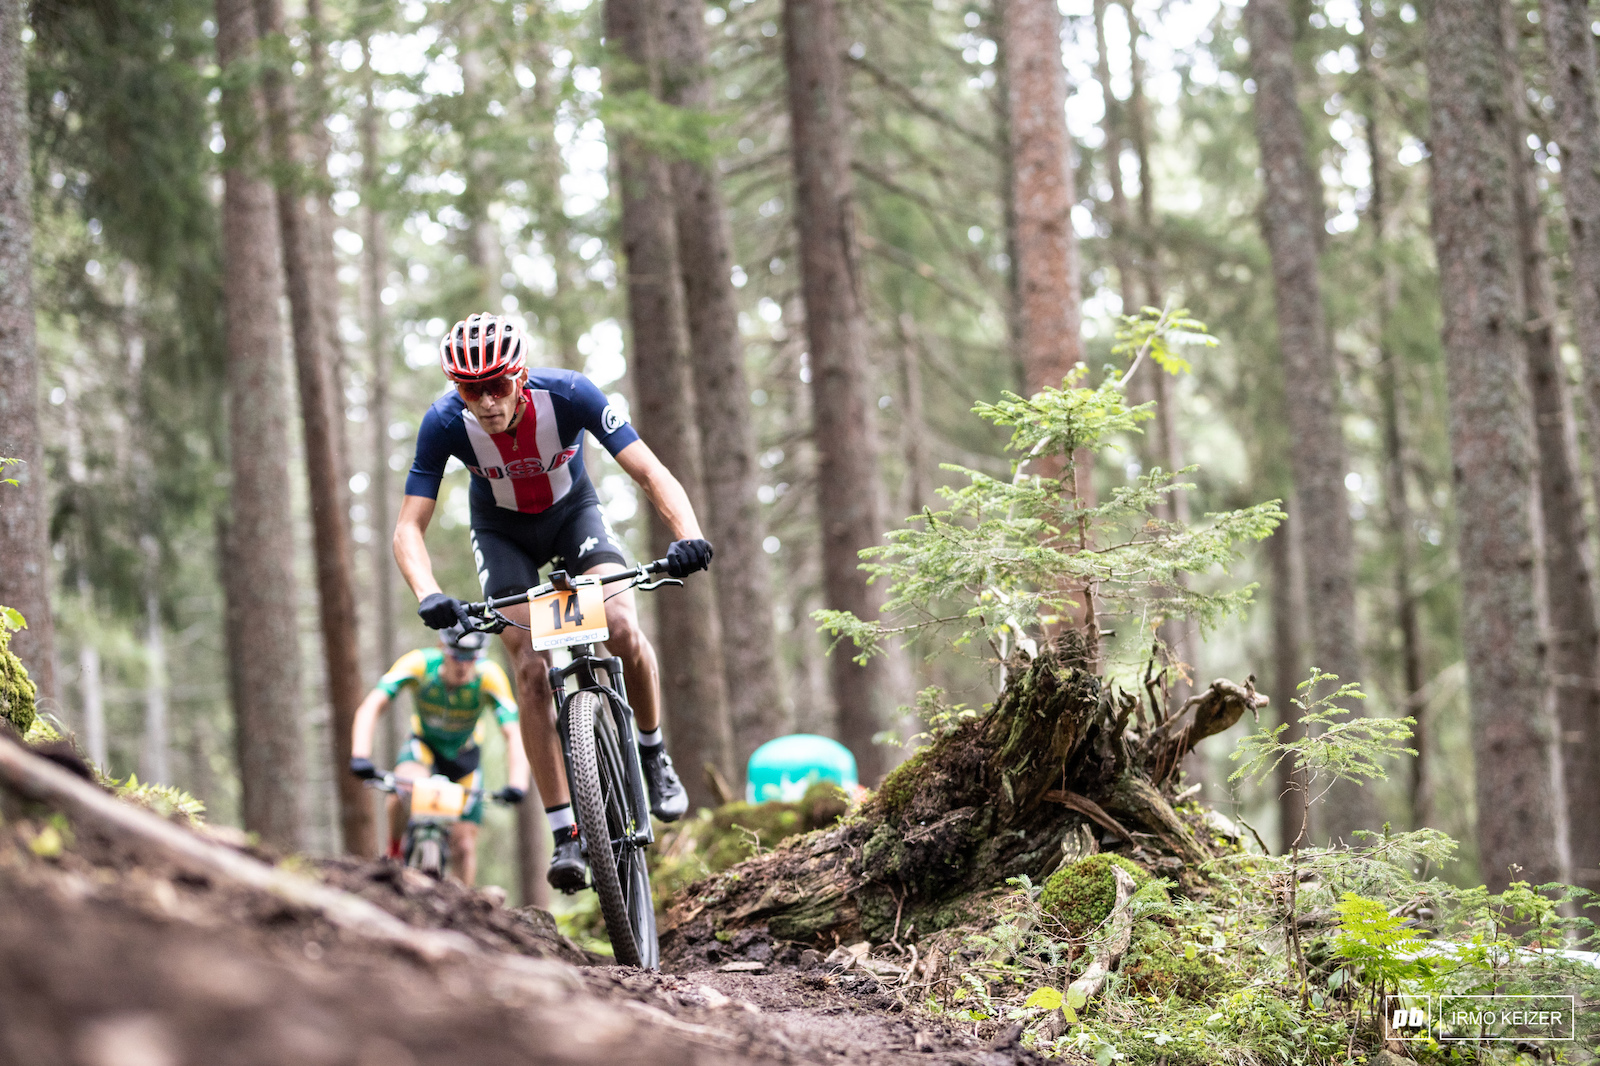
482,346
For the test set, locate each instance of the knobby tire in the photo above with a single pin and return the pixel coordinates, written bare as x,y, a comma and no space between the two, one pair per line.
599,794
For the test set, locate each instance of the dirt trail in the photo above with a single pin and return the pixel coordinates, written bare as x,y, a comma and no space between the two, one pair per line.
110,957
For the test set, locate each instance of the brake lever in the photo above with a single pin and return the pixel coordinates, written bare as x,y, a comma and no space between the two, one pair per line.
658,583
492,621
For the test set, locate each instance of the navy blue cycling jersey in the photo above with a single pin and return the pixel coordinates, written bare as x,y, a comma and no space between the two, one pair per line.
532,466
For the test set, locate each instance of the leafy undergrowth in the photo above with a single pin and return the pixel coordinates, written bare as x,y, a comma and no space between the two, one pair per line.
1210,978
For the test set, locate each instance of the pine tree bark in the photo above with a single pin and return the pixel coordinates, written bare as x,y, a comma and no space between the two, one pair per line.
1291,222
1287,672
321,418
688,635
1492,446
1049,310
1570,46
258,557
24,507
1397,507
849,497
1574,638
722,403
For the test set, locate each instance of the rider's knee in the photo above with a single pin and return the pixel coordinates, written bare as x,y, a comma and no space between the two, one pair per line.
627,640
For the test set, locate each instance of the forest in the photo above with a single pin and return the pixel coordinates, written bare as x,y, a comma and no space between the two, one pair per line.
1151,430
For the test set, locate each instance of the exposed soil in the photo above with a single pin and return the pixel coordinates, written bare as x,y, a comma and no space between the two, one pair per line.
110,957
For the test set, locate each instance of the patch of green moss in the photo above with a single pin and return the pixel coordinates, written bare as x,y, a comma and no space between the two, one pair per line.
1081,894
17,690
1160,967
901,783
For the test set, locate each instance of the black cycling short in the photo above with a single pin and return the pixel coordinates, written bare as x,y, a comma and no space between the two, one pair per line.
509,547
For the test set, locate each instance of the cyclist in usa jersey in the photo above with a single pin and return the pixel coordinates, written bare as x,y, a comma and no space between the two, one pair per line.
520,432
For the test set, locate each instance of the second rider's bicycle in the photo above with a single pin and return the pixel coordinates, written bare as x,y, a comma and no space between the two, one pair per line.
595,724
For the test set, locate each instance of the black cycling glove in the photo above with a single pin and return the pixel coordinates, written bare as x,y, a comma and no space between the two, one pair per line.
441,612
512,794
684,557
363,768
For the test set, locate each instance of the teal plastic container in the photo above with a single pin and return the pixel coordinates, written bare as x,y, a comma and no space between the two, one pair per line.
784,768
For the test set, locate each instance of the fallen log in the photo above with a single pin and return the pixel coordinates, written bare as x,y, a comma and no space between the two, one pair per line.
994,799
37,778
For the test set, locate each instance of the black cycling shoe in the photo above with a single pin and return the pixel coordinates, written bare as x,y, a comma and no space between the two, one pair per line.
668,800
568,871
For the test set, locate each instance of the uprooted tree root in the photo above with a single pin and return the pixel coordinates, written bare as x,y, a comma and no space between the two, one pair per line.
996,798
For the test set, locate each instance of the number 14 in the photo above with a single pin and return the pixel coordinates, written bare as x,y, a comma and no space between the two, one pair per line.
573,615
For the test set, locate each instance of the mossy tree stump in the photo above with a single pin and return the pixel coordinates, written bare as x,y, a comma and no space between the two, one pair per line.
992,800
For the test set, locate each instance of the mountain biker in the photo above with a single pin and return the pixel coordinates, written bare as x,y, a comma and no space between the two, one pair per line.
453,685
519,430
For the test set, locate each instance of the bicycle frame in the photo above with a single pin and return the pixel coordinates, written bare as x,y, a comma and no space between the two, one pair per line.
584,666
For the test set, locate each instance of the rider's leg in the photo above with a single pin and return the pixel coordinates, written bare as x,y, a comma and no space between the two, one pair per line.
628,643
409,769
464,852
536,710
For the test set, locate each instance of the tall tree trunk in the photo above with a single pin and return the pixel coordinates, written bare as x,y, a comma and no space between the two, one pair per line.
1048,311
374,274
849,497
1288,605
1492,446
1574,638
24,507
321,416
258,559
1111,126
1397,507
688,636
915,426
91,685
1569,43
1291,222
155,761
722,402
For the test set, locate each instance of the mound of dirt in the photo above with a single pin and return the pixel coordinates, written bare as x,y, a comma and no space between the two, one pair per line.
119,953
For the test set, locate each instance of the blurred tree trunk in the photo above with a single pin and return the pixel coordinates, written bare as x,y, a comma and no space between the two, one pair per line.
258,557
91,686
483,250
1291,222
688,637
1574,638
321,412
722,401
24,509
1121,222
1180,635
154,763
1569,43
849,497
1391,391
915,430
1288,608
1492,446
374,274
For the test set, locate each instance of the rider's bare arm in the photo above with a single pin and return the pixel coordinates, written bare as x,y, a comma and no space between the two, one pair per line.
365,723
664,491
411,549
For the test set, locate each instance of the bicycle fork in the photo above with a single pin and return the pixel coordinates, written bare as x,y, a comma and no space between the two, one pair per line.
616,699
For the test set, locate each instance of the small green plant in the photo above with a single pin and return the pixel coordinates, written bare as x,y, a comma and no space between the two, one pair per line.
1333,745
4,462
1011,556
17,690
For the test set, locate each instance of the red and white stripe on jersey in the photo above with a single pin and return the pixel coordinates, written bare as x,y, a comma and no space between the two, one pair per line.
527,468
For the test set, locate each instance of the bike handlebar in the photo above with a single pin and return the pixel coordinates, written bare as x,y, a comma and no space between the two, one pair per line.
638,573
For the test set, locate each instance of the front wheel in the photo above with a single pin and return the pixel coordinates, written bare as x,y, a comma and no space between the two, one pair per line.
606,825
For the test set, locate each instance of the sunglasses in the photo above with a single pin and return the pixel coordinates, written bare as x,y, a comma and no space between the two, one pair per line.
497,388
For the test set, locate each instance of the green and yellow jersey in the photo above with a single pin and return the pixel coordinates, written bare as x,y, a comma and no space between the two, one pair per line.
449,719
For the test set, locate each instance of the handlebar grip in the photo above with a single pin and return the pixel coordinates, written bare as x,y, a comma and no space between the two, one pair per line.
657,567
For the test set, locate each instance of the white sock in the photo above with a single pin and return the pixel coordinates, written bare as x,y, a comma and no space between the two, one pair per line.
560,817
651,739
